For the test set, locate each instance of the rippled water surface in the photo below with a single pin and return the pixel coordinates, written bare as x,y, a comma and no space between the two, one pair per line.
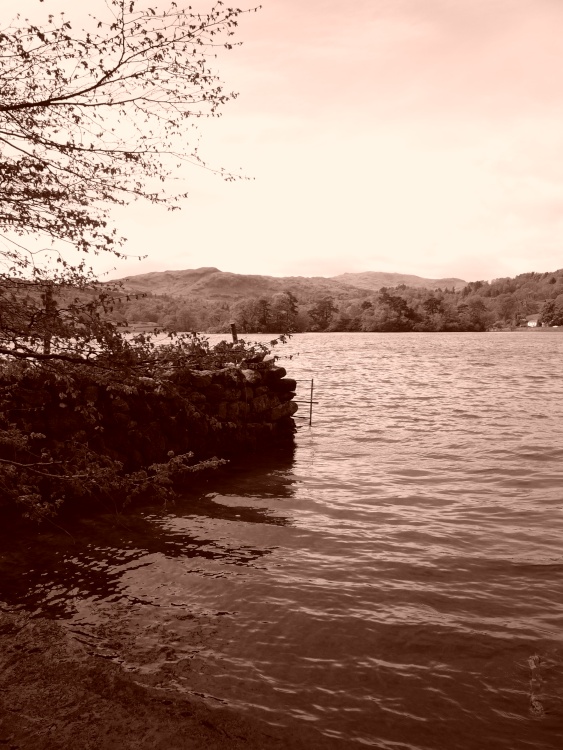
397,583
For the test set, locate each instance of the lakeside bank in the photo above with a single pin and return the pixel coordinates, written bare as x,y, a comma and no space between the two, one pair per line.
75,433
55,694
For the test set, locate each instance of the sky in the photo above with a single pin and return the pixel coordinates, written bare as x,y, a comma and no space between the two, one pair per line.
411,136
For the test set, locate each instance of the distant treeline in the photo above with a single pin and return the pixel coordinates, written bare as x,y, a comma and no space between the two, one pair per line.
480,306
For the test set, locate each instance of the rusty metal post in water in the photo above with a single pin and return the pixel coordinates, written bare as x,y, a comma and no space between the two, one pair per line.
311,405
234,333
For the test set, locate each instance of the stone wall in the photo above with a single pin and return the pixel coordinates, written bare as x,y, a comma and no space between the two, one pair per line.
221,412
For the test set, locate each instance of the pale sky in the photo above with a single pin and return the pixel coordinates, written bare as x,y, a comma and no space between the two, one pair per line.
410,136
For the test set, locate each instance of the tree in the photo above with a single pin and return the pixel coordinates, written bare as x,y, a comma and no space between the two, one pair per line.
399,316
322,313
90,119
473,315
507,307
432,305
283,311
98,117
552,312
242,313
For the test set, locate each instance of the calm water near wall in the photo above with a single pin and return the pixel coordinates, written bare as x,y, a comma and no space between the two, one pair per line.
397,583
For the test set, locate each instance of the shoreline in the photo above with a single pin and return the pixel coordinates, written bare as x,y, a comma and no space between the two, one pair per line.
55,695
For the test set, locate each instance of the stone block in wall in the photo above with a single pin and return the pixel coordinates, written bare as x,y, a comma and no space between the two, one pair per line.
285,428
234,410
212,407
253,377
286,395
221,411
260,404
274,374
201,379
214,392
285,384
197,398
261,390
287,409
244,410
232,394
227,376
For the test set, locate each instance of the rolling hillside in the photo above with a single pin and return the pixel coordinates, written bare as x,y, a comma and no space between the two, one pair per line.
374,280
211,283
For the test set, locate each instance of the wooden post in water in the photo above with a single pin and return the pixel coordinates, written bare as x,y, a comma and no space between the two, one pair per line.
234,333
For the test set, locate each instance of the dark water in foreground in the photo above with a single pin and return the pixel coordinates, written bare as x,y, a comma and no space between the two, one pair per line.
397,584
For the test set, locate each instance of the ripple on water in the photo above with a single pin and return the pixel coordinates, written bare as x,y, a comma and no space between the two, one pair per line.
395,584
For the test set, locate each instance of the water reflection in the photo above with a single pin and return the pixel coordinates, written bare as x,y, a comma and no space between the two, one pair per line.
50,570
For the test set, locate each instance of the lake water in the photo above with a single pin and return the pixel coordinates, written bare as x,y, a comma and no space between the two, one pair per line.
397,583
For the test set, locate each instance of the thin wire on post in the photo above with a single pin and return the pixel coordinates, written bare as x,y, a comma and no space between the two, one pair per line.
309,400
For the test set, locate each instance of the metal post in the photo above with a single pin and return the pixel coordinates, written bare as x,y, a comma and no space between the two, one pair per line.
49,304
234,333
311,405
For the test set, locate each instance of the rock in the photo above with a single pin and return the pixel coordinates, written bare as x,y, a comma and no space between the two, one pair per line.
252,376
233,411
260,404
201,379
283,410
232,394
286,384
198,398
214,392
275,373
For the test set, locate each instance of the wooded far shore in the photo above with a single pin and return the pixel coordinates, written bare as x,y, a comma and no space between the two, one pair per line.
208,300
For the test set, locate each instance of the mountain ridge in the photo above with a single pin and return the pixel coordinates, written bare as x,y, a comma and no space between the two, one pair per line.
374,280
210,283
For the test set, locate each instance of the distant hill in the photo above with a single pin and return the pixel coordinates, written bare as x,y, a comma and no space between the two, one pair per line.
211,283
374,280
208,300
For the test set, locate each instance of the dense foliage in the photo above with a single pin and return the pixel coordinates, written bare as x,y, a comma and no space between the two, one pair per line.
90,118
92,430
479,306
